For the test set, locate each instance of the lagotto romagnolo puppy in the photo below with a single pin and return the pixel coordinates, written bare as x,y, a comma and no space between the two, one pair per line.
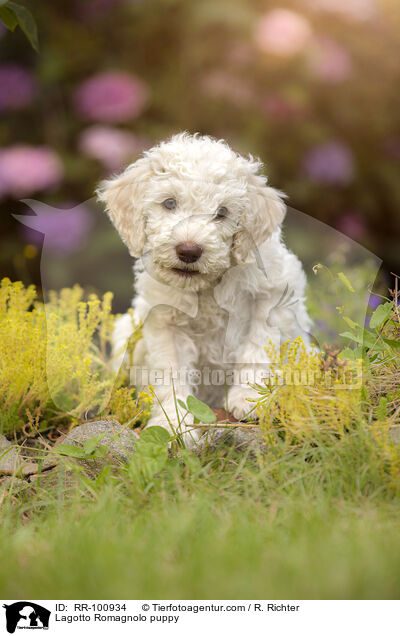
214,281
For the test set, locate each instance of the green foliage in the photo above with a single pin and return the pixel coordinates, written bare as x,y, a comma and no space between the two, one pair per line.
331,294
127,404
90,449
151,455
319,394
320,518
381,314
13,15
346,281
55,360
200,410
10,419
381,410
374,340
328,480
302,398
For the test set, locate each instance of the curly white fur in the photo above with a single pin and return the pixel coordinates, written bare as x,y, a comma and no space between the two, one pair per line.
247,289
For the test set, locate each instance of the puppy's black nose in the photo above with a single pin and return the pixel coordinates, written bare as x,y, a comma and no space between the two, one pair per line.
188,252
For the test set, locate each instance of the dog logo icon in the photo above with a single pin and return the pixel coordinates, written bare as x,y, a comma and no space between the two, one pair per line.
26,615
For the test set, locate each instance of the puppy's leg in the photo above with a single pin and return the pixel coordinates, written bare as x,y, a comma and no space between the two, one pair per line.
170,356
123,329
274,325
241,396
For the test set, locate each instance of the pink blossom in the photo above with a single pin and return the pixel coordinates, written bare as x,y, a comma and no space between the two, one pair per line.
353,225
282,32
111,97
17,86
330,62
329,163
111,146
27,169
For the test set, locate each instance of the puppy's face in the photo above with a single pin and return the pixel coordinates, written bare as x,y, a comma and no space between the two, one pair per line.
191,222
191,207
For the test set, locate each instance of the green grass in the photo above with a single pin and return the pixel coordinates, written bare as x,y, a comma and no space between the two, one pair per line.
319,521
316,517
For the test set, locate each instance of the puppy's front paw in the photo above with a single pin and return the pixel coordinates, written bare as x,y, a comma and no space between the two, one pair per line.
239,404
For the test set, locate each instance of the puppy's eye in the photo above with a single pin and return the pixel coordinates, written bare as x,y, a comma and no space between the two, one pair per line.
222,212
169,204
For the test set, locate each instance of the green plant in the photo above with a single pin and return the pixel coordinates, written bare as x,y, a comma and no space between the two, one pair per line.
90,449
374,341
378,346
318,511
301,397
200,411
316,397
13,15
320,517
151,455
55,363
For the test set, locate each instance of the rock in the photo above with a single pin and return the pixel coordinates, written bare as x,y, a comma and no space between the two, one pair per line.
11,461
56,469
119,441
61,477
240,439
7,481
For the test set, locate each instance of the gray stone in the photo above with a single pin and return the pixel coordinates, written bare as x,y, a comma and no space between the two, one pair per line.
240,439
6,481
119,442
61,477
11,461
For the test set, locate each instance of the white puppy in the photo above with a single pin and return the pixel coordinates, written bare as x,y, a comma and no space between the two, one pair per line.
214,282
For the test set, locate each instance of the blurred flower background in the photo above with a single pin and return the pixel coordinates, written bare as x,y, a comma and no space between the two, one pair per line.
311,86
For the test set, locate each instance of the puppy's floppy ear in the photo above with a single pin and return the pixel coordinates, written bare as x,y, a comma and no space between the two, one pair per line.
263,216
124,197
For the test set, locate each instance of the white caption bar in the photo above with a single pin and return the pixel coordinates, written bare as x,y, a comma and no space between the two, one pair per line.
177,617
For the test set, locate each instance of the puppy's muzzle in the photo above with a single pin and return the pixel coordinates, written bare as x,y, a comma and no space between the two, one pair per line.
188,252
